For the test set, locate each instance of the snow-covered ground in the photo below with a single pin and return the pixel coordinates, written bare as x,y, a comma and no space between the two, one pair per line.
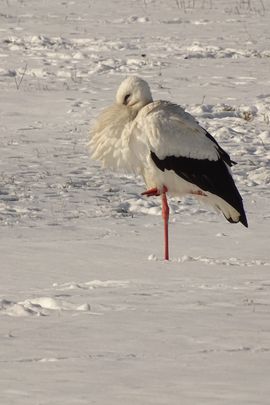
89,312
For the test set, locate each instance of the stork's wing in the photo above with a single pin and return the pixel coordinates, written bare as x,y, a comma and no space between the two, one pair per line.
171,131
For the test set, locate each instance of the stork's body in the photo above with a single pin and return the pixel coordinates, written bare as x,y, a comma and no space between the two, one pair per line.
166,145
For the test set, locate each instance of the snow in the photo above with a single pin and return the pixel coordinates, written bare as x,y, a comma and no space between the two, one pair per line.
89,311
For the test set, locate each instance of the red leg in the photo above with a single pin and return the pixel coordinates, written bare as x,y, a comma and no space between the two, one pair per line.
165,215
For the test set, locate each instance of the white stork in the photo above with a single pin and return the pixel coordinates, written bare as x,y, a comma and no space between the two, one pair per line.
166,145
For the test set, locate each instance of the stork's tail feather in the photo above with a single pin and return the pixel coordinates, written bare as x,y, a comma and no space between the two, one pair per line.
242,218
233,213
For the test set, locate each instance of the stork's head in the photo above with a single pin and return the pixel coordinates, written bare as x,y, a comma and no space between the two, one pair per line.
134,92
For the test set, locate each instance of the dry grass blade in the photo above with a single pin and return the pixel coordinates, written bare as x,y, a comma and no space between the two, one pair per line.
19,82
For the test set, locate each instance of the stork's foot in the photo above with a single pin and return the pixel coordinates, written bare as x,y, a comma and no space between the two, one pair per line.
155,191
152,192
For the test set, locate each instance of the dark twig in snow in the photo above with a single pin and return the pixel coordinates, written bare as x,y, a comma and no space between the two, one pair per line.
19,82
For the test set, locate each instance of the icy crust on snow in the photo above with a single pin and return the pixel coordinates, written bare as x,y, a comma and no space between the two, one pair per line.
41,306
228,261
47,305
90,285
77,59
81,48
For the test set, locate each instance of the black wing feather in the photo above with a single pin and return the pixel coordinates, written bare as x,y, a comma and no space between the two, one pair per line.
208,175
222,153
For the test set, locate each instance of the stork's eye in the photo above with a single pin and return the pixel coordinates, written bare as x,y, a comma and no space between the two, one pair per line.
126,99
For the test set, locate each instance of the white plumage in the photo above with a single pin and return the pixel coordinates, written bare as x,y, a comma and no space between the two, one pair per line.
166,145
